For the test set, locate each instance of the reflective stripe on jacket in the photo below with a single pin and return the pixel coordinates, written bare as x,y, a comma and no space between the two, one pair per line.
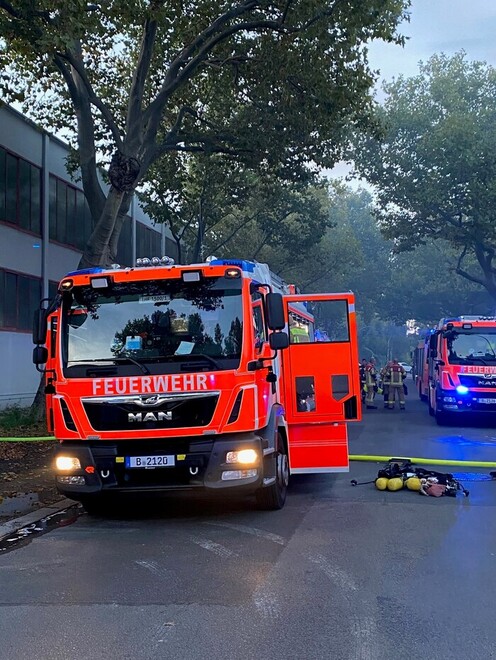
396,373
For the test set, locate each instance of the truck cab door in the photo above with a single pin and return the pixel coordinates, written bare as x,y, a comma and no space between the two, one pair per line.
321,384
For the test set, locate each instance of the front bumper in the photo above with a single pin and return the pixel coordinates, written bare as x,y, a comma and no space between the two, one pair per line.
472,402
199,463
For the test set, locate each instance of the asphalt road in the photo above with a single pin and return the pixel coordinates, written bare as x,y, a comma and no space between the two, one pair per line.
340,573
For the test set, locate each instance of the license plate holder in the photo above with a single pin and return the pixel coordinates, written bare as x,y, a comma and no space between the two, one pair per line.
149,462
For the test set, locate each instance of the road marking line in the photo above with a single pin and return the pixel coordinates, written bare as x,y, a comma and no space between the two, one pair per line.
254,531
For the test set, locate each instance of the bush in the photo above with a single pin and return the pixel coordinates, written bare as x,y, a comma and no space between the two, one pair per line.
21,420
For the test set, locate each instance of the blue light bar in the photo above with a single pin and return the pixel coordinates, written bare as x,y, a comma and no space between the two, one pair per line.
85,271
461,389
247,266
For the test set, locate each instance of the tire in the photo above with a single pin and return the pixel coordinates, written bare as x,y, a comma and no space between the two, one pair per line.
273,497
422,397
95,505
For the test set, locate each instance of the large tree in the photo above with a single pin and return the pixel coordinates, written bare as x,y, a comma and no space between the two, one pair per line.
434,169
277,84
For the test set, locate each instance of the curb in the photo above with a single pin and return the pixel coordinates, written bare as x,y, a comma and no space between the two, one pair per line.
16,523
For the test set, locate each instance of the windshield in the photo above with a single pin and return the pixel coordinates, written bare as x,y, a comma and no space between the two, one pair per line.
472,346
155,322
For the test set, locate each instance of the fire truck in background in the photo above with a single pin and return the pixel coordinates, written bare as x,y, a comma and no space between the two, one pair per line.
421,368
457,372
164,377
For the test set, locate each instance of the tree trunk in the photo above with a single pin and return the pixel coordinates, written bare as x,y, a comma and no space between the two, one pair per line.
200,236
38,407
98,248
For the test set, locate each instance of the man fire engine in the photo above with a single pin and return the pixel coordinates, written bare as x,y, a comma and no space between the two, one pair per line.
459,376
164,377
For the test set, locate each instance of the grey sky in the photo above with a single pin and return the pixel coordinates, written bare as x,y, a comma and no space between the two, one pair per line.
440,26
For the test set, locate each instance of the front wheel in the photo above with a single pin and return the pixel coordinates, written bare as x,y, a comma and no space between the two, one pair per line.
97,505
273,497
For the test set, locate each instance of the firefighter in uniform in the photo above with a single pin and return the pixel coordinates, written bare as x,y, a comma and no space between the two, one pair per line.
362,370
396,375
370,383
384,376
298,333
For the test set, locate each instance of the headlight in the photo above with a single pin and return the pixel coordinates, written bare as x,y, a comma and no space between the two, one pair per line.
67,463
461,389
243,456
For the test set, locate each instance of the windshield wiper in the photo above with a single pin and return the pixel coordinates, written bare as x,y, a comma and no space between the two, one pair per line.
479,359
195,356
143,367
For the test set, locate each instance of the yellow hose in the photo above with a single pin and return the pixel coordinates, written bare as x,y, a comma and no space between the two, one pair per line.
423,461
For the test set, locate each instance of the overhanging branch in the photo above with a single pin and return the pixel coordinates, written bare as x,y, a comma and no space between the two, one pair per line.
93,98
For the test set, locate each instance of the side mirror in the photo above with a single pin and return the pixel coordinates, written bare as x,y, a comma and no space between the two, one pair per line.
275,311
278,341
40,327
77,317
40,355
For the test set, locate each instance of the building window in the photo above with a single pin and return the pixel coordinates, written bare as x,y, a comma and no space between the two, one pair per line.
70,218
20,192
148,242
171,248
125,247
19,296
53,288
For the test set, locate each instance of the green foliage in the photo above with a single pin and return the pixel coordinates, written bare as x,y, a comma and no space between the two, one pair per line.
218,207
384,340
277,86
393,287
434,169
15,417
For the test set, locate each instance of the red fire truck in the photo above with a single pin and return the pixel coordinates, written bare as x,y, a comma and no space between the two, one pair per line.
459,372
420,358
164,377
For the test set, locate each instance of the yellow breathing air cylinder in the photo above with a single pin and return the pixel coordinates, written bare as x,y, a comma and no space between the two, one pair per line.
381,483
395,484
413,483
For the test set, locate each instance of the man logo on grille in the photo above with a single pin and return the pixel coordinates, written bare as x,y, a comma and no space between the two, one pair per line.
150,417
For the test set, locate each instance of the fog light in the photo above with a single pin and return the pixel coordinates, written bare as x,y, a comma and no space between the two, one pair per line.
230,475
67,463
71,481
244,456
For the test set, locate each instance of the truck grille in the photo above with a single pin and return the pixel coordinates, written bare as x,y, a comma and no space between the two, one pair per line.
151,411
477,381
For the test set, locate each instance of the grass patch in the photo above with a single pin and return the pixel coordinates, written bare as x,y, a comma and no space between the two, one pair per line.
21,422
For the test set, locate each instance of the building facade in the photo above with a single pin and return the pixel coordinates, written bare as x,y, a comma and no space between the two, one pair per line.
44,225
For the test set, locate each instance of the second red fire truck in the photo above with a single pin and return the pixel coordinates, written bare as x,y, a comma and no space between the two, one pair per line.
456,367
